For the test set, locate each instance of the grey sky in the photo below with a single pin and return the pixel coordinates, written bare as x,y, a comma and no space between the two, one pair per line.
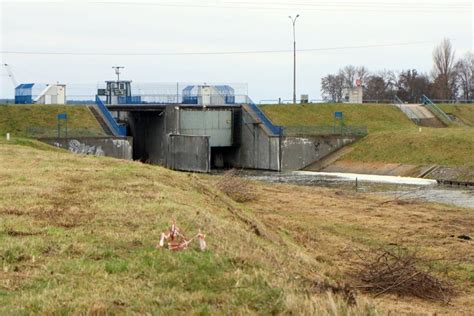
147,27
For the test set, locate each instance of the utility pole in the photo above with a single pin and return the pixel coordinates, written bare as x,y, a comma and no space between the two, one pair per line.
293,22
117,71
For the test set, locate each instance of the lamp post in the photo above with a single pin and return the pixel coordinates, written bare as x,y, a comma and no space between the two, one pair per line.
293,22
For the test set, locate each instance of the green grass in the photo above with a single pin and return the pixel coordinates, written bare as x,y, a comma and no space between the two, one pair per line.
464,112
376,117
392,138
443,146
16,119
78,236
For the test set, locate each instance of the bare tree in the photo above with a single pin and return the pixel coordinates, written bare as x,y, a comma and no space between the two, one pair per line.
465,72
362,74
349,74
444,74
380,86
411,85
332,87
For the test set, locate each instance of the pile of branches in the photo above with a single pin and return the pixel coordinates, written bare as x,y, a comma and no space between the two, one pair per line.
236,187
399,272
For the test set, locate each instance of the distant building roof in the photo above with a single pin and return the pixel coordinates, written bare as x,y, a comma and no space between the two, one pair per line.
25,86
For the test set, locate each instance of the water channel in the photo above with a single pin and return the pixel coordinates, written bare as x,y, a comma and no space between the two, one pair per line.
398,187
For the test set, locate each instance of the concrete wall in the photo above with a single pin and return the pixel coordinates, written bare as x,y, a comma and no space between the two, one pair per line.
208,122
299,152
150,134
96,146
189,153
257,150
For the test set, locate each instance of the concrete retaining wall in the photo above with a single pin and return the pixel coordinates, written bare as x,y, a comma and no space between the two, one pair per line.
257,150
96,146
189,153
299,152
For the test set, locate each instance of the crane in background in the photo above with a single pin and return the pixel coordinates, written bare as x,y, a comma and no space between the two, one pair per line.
10,74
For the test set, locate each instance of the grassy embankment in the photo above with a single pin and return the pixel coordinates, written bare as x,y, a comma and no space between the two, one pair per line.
464,112
77,235
16,119
392,138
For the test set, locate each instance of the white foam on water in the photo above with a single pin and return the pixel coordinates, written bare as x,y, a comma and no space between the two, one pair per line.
369,178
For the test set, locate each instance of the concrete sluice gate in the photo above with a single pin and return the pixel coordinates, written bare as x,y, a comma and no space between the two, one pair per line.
198,139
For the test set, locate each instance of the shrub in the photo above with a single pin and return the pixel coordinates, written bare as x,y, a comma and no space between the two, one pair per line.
236,187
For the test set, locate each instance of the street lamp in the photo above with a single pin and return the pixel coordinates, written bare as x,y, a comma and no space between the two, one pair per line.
293,22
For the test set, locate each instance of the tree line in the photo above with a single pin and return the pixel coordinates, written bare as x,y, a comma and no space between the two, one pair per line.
449,79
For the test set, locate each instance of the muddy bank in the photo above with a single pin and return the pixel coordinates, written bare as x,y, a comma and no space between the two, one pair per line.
464,173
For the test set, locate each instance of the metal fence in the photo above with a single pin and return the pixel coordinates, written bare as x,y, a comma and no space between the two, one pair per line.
53,131
324,130
149,92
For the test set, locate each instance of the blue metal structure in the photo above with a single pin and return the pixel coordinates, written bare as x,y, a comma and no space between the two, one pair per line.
134,99
24,93
190,94
118,129
275,129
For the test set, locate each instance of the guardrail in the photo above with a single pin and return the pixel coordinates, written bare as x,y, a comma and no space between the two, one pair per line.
443,117
274,129
406,110
325,130
117,129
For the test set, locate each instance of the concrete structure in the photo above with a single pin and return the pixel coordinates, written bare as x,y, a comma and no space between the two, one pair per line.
189,153
300,152
353,95
121,148
194,138
29,93
52,94
206,132
206,95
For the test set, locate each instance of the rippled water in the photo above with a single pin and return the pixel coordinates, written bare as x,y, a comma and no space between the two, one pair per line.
401,187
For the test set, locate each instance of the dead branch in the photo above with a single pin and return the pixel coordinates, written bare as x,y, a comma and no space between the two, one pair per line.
399,272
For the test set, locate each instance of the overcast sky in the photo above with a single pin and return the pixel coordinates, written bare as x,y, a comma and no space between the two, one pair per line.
153,35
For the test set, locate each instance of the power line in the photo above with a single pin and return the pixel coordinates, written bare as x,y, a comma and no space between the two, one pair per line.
366,7
214,53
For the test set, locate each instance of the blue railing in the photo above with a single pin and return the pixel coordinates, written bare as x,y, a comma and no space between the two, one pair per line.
118,130
274,129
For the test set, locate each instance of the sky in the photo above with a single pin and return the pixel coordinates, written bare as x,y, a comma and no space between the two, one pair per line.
225,41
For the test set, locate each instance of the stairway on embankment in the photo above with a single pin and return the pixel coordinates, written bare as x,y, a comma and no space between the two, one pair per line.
420,115
103,124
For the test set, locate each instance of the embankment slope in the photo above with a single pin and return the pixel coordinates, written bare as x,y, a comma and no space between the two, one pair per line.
17,119
78,235
392,138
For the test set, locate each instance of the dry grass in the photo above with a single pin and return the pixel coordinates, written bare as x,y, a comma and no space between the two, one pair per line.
77,235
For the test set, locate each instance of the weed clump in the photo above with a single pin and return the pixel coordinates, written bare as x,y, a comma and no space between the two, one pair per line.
236,187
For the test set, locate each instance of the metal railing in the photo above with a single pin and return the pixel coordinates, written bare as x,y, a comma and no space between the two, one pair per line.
117,129
443,117
325,130
54,132
397,100
406,110
274,129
